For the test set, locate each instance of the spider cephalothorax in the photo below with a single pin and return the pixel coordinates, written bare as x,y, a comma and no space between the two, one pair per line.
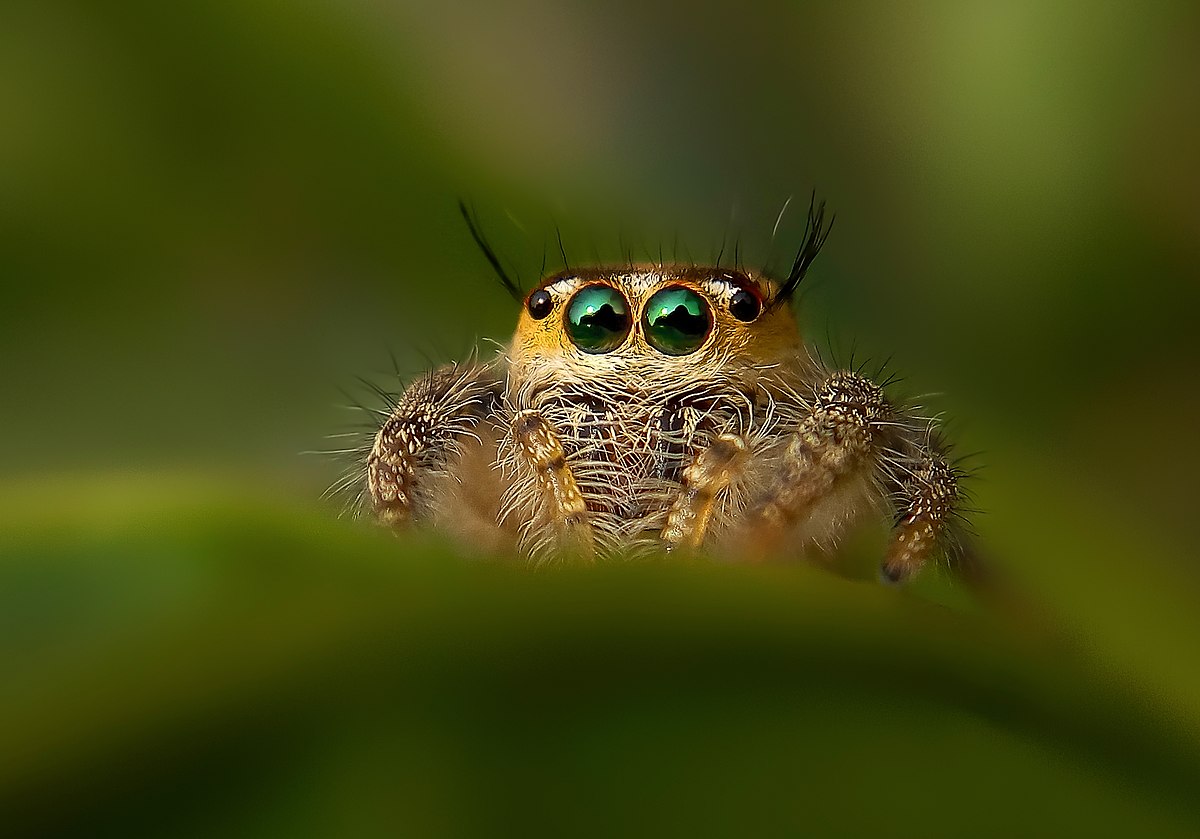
660,406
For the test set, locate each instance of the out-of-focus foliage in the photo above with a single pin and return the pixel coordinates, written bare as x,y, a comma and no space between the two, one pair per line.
200,662
216,213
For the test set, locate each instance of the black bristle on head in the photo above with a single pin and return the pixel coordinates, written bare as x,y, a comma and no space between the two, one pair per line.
816,231
561,250
511,287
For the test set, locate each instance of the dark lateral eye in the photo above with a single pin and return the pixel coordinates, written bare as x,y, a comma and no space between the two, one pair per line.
745,306
540,304
676,320
597,319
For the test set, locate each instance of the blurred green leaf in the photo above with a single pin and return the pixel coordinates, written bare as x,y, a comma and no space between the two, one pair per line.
190,660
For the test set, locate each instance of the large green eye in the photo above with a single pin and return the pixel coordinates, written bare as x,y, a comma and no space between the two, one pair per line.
597,318
677,320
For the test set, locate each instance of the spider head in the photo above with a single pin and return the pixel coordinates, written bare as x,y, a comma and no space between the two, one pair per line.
675,319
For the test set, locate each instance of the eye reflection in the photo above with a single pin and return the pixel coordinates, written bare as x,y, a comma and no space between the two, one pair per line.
676,320
597,319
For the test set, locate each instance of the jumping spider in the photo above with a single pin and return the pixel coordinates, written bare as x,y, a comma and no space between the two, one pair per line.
660,406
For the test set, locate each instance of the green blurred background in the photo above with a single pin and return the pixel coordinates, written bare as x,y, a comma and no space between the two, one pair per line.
214,215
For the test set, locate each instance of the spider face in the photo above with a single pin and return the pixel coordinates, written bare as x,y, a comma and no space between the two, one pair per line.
657,407
597,322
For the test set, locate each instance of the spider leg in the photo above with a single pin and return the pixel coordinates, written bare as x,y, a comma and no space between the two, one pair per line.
421,432
540,448
834,444
710,473
855,445
926,498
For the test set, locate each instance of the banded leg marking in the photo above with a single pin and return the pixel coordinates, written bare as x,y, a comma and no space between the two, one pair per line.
542,450
708,475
